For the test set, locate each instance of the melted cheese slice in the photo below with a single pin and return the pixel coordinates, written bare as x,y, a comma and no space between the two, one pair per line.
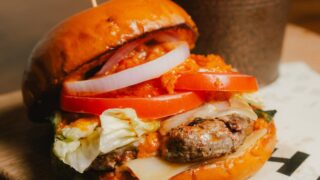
154,168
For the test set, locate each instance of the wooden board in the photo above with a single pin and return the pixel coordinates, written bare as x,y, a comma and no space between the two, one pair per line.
25,147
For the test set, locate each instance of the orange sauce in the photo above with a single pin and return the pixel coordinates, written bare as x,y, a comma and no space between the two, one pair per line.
260,124
150,145
142,54
165,84
81,123
194,63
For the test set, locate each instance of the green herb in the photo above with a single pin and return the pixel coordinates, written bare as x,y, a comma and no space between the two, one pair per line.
266,115
56,119
60,137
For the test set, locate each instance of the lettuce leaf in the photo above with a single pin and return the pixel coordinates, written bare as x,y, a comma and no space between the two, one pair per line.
75,133
121,127
85,154
77,146
79,143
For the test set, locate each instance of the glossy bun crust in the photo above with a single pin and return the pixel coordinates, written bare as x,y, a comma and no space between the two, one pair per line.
79,41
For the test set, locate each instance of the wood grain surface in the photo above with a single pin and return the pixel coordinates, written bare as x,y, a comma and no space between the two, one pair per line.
25,147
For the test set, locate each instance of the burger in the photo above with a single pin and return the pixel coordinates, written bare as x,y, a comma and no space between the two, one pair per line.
127,100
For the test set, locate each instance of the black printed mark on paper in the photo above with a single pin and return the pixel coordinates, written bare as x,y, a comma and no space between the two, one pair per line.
290,164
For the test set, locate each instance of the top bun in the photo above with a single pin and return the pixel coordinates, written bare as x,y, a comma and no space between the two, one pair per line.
83,38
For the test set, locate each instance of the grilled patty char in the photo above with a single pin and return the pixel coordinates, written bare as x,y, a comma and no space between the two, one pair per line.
108,162
199,140
204,139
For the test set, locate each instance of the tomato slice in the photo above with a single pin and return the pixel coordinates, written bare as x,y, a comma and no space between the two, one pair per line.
206,81
147,108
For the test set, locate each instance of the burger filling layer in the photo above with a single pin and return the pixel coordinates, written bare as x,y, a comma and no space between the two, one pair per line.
119,135
153,102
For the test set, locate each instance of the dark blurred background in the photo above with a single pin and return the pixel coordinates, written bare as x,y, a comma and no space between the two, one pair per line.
24,22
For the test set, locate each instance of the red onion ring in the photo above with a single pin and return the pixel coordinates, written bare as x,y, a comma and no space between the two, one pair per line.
124,50
131,76
120,54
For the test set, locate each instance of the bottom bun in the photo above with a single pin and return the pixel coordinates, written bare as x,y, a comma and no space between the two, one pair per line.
242,164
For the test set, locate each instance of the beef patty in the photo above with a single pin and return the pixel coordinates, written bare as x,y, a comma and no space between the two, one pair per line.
204,139
109,161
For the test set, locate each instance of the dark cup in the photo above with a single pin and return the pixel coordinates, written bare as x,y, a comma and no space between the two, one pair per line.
247,33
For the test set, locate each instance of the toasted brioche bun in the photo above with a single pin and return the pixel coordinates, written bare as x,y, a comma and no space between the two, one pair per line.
242,164
79,41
